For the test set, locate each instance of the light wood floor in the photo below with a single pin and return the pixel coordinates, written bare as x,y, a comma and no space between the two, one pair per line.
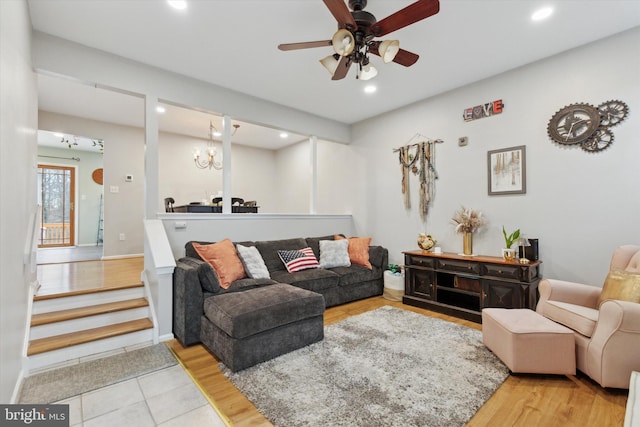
523,400
80,277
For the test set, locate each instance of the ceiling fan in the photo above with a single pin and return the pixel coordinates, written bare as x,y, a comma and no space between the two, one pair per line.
354,40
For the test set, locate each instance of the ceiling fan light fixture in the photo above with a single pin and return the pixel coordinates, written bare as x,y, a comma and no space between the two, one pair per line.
368,72
330,63
343,42
388,50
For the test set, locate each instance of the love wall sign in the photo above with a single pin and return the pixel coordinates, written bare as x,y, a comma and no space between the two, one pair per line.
482,111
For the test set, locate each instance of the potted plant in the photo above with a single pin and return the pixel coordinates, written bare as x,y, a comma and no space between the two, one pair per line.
509,239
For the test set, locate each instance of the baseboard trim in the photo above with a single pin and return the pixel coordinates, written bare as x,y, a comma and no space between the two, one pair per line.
18,387
165,337
105,258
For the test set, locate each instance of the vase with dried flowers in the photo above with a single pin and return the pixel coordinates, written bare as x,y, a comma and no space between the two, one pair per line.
467,222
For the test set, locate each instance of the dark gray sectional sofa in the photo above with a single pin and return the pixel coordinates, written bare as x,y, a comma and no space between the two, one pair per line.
194,282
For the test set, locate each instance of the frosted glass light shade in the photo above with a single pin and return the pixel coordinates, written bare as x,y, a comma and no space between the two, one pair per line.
368,72
388,50
343,42
330,63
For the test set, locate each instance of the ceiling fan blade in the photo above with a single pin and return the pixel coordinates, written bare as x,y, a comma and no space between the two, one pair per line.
304,45
403,57
406,58
341,12
413,13
342,69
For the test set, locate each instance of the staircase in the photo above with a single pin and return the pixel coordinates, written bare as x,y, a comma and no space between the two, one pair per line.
69,326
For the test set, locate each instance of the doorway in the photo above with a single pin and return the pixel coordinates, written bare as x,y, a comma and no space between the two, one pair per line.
56,191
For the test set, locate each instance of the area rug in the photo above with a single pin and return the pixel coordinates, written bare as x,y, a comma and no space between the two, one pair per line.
386,367
58,384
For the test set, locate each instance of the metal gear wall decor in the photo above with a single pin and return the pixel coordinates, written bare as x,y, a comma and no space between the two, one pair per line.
584,124
574,123
612,112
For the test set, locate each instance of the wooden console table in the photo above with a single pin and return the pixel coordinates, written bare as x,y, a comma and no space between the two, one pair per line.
462,286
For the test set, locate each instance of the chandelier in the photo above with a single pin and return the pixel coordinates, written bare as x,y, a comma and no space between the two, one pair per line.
212,160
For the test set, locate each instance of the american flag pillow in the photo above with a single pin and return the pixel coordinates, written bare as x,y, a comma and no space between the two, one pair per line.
298,259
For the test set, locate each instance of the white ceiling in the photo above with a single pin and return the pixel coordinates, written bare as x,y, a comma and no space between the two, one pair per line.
233,43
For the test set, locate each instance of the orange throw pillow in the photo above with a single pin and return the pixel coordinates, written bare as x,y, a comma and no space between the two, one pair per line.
222,256
358,250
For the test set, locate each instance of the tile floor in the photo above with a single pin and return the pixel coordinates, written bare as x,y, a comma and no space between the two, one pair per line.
164,398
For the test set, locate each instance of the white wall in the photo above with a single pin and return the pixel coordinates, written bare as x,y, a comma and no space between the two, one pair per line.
18,145
123,155
580,205
336,178
293,178
252,169
88,192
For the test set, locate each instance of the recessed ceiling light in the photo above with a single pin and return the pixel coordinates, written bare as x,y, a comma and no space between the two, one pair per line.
160,109
370,89
178,4
284,135
541,14
58,135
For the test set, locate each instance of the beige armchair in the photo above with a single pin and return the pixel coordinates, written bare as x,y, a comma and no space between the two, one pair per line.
608,336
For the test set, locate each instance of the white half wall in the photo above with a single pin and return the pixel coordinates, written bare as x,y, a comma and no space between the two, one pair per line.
181,228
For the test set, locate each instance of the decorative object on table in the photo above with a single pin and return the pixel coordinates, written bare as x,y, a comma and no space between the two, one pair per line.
529,251
420,159
481,111
584,124
467,222
506,169
523,242
426,241
508,253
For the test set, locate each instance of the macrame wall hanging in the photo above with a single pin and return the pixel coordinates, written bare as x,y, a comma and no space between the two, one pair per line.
419,158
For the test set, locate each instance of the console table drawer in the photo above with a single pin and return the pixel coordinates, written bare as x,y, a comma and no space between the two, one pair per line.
501,270
463,266
420,261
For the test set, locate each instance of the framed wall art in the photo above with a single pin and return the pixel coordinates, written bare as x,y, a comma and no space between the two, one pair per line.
506,169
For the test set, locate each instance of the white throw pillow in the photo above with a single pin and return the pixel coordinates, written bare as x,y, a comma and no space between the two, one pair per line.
334,253
253,262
